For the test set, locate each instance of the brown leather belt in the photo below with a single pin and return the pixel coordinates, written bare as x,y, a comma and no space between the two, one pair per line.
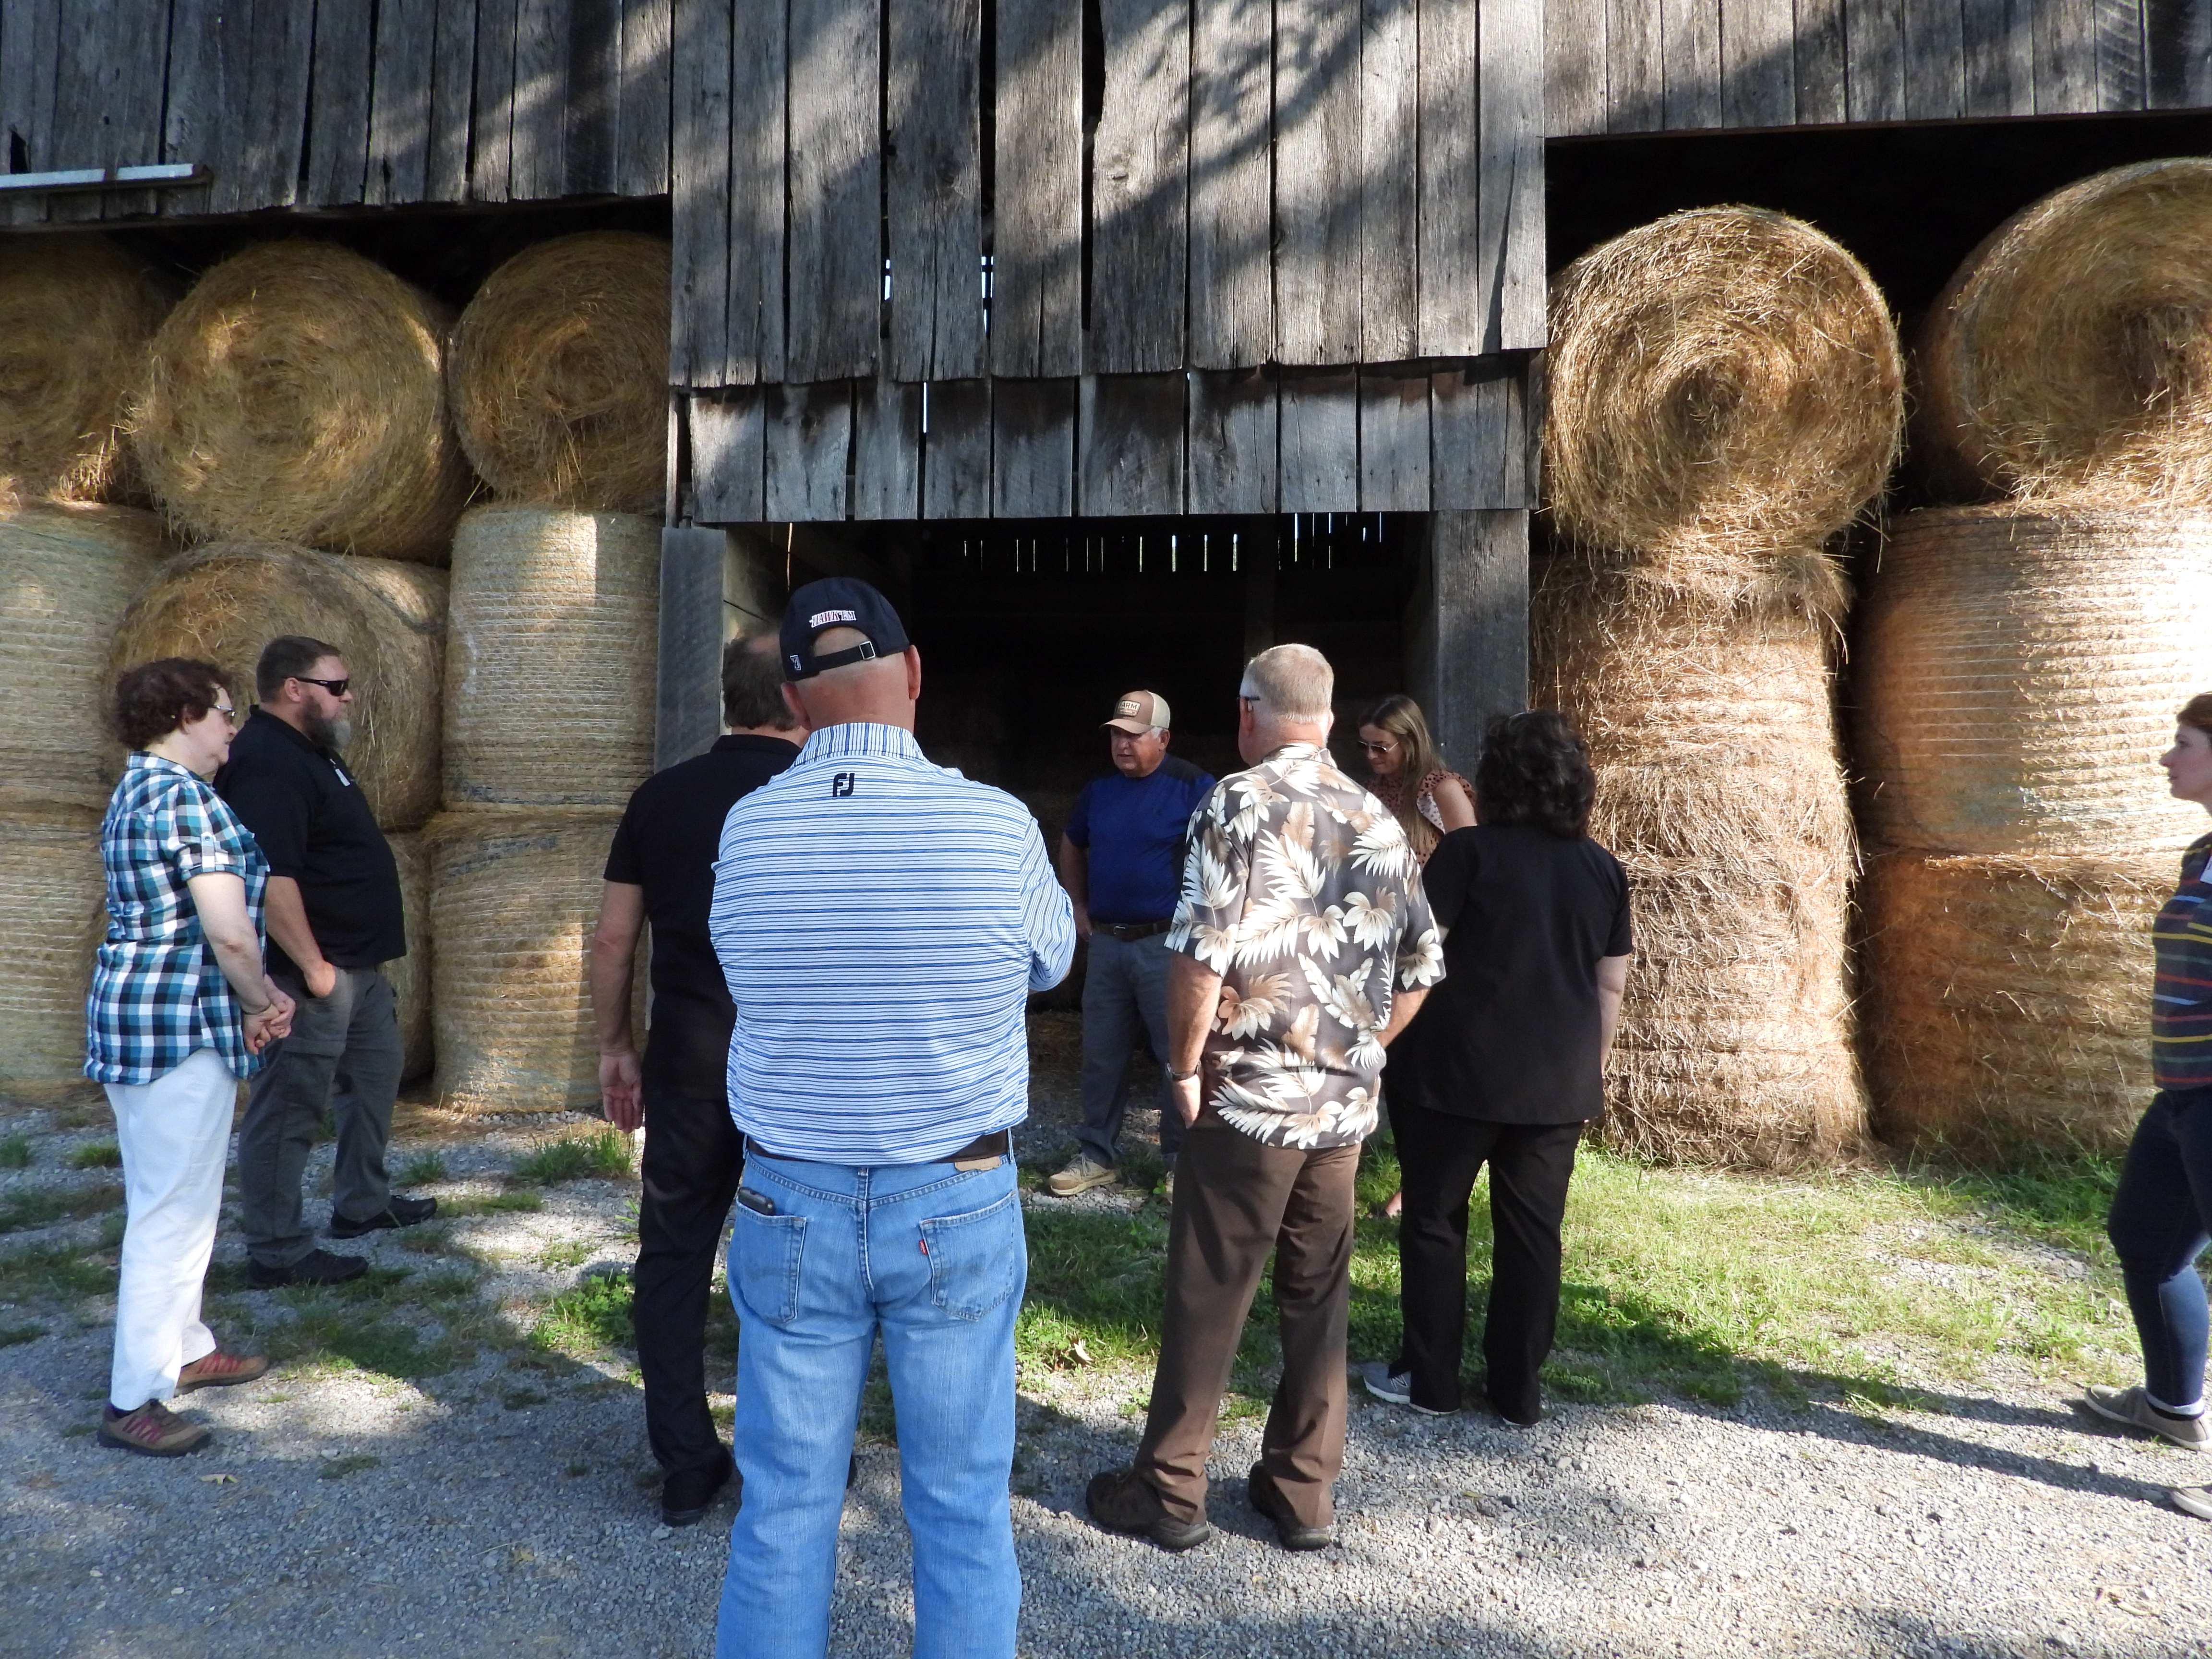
981,1153
1132,930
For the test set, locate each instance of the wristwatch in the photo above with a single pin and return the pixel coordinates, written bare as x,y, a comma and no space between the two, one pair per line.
1184,1077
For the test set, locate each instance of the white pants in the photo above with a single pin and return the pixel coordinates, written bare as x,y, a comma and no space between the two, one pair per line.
175,1132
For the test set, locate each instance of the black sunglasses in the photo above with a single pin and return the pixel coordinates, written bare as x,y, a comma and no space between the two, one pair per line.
336,688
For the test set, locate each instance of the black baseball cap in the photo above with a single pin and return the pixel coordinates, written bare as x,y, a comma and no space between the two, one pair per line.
838,602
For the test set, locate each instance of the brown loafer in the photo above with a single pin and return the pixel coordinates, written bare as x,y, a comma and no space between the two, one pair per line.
220,1370
152,1431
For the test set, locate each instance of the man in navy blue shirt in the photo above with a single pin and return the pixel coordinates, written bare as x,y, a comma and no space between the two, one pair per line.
1121,860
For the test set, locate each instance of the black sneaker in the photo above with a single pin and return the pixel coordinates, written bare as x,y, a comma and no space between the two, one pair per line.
687,1495
316,1267
400,1212
1267,1499
1121,1500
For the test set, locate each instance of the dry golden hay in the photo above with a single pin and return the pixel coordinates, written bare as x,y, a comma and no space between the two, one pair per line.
1721,790
67,573
53,913
2070,358
76,315
550,659
513,898
298,393
1725,380
410,975
2008,1000
223,602
2019,674
558,371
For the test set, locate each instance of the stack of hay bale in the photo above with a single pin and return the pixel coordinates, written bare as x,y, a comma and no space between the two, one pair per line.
1725,398
2022,665
557,374
75,315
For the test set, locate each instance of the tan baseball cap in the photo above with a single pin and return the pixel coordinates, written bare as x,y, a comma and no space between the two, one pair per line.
1138,712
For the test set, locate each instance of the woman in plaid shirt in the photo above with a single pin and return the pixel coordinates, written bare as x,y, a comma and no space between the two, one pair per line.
180,1008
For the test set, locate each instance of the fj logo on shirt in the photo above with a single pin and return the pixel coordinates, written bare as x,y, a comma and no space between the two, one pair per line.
842,783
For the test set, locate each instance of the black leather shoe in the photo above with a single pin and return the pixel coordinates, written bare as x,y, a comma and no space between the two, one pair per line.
316,1267
687,1495
1266,1498
1121,1500
400,1212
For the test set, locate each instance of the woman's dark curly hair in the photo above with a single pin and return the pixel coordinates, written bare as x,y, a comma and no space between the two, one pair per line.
1535,770
156,698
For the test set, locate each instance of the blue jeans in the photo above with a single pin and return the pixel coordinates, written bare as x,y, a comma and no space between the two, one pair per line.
1125,996
2158,1228
934,1259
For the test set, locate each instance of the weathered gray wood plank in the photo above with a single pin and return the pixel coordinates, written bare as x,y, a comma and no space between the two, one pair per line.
1876,32
956,451
834,303
758,106
399,109
642,120
1635,67
810,435
1233,441
1758,60
1319,417
2178,44
1394,440
728,434
1317,184
1477,592
1457,292
270,84
1232,300
198,124
1390,192
591,109
107,98
704,192
453,86
1140,190
2123,80
1033,449
1480,438
29,54
1130,439
1036,264
1510,224
1824,83
338,129
1935,61
537,168
2000,39
688,711
2065,58
1575,66
887,449
1692,47
934,195
491,144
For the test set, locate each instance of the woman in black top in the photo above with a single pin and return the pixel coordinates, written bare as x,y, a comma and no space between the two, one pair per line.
1504,1064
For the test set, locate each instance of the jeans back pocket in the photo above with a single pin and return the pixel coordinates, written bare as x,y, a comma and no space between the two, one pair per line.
976,1260
764,1256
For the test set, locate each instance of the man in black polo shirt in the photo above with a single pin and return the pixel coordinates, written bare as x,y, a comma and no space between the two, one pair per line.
661,870
333,920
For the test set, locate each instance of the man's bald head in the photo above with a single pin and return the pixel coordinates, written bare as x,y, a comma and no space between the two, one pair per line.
880,691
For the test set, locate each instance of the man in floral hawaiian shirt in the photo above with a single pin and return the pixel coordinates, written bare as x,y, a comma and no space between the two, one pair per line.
1304,946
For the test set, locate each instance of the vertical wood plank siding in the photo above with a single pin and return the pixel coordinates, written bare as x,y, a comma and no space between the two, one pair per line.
833,179
1037,280
1231,208
933,191
1140,188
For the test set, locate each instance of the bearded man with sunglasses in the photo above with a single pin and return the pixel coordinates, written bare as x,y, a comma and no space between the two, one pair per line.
333,922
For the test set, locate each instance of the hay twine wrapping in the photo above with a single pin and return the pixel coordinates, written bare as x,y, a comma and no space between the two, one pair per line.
2069,362
67,572
550,657
1720,383
2018,673
1721,791
298,393
410,975
558,374
223,602
513,898
77,314
54,913
2009,998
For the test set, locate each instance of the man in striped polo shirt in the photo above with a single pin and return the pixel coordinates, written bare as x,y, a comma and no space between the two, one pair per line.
880,922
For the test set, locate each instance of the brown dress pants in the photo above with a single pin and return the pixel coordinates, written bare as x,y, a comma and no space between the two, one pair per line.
1236,1200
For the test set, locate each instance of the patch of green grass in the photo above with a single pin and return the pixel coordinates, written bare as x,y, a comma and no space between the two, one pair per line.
590,1320
421,1170
602,1156
54,1274
14,1336
20,1212
566,1253
336,1468
14,1151
496,1204
100,1155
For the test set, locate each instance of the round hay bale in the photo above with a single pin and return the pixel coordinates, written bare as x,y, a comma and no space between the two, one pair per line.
76,315
1721,791
2070,358
558,372
223,602
550,659
513,898
410,975
1720,383
2008,1000
2018,673
54,907
67,574
297,393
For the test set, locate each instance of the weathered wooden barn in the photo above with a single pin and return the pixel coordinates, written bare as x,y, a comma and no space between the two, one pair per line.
1116,337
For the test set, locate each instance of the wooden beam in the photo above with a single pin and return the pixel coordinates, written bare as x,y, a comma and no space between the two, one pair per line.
700,349
1476,582
688,711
